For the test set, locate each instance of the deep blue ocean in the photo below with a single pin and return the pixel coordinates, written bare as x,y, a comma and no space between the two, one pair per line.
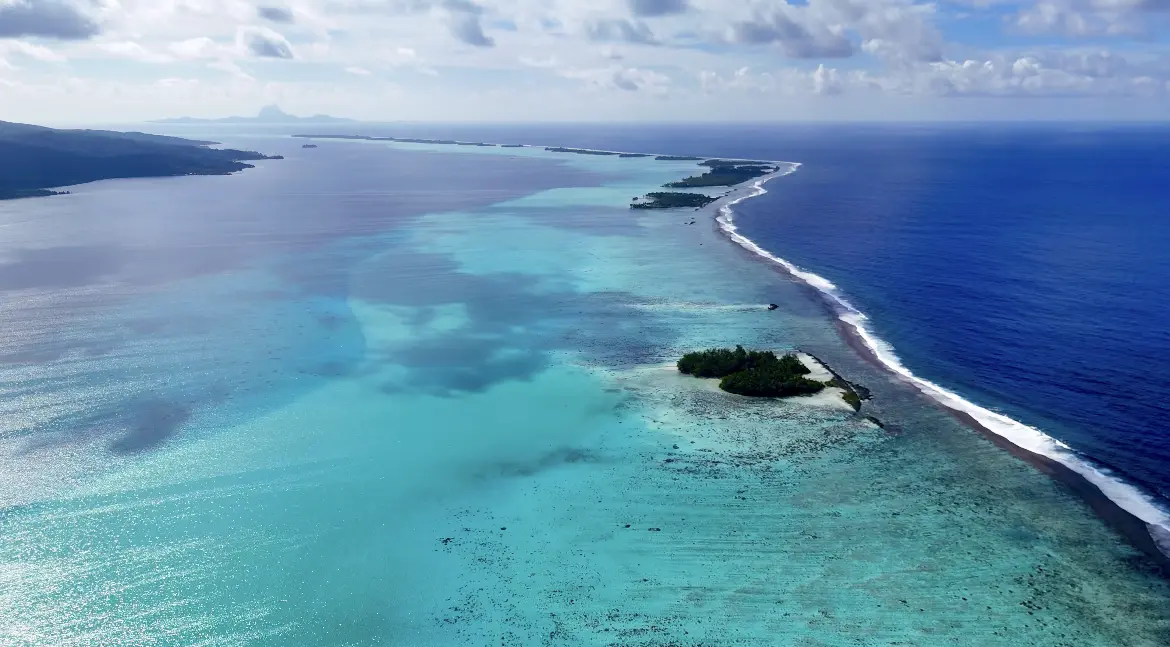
1028,269
1025,266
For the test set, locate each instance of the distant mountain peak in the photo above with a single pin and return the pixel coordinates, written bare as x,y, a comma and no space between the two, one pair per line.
273,113
270,114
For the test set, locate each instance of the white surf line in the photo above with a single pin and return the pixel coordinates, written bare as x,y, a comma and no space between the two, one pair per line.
1126,496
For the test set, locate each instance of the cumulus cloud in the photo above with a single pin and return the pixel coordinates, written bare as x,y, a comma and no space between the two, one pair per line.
194,48
265,43
620,30
894,30
1091,17
797,32
467,28
628,79
281,15
31,50
1038,74
652,8
826,80
789,81
464,20
133,51
629,48
46,19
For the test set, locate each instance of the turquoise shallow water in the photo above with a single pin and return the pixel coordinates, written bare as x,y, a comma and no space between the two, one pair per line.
460,427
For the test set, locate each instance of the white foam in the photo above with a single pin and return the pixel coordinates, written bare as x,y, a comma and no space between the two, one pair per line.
1126,496
1161,535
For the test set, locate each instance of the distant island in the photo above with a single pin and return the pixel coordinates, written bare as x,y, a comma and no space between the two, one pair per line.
309,146
579,151
34,159
409,140
268,115
672,200
720,173
725,173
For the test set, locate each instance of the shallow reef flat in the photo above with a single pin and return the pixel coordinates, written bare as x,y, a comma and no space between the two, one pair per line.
511,459
690,516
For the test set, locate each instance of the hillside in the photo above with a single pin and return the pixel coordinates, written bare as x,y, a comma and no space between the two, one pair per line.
34,160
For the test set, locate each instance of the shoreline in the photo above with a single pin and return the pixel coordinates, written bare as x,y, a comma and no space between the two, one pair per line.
1128,524
1140,532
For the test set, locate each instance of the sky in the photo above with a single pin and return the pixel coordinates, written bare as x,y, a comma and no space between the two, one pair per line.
113,61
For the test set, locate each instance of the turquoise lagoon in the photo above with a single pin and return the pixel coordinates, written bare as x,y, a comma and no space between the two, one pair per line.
451,420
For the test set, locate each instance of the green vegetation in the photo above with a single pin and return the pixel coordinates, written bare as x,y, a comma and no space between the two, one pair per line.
724,173
664,200
721,362
34,159
720,163
13,194
852,399
677,158
633,155
757,374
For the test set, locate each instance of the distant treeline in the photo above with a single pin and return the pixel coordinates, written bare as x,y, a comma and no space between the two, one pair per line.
665,200
724,173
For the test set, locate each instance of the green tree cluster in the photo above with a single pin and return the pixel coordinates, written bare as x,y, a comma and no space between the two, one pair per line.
758,374
665,200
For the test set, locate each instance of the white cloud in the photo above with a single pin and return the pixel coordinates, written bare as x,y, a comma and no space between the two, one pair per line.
616,77
133,51
57,19
892,29
654,8
586,59
263,42
1092,17
196,48
31,51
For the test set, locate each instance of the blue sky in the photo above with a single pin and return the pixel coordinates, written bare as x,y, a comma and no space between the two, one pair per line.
77,61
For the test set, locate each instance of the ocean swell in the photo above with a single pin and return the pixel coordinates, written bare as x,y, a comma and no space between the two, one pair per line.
1124,495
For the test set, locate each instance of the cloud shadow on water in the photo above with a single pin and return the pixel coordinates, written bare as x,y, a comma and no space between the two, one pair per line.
150,424
514,322
59,267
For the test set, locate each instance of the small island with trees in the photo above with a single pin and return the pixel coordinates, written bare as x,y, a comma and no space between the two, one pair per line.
763,374
672,200
724,173
757,374
720,173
